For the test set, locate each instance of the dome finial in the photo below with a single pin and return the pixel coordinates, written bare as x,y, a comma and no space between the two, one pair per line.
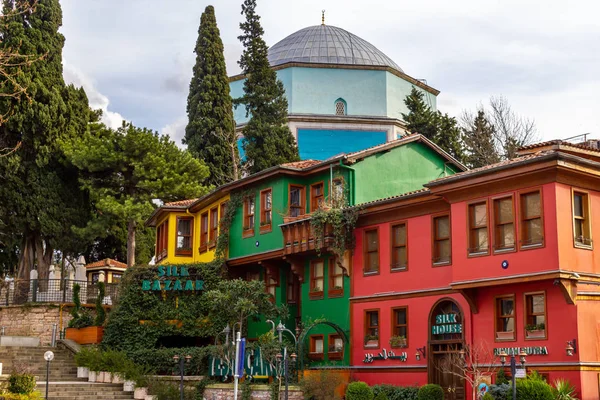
322,17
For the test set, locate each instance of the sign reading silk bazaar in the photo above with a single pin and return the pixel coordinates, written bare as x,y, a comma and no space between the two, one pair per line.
179,280
446,323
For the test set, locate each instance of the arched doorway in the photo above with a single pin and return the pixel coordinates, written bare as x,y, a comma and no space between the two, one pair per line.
446,340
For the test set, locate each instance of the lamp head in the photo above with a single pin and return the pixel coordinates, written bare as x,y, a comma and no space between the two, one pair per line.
48,356
571,347
188,358
176,358
503,356
522,356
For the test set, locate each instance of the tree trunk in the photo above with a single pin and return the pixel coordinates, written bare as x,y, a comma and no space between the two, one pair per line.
234,162
43,254
131,243
21,290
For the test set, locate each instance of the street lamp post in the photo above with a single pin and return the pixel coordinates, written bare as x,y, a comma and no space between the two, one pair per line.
513,368
181,360
48,356
285,359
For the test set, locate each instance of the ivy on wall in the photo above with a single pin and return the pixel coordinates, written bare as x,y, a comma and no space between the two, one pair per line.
342,222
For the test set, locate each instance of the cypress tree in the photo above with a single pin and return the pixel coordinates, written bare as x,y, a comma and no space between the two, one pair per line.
268,140
210,132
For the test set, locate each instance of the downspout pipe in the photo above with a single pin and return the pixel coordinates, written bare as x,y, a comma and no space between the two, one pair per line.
352,182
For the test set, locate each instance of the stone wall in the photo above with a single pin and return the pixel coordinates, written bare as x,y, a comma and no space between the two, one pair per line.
34,320
259,392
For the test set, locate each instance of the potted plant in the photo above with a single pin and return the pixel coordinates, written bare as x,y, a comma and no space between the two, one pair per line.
535,331
130,372
83,359
508,335
141,387
372,341
81,327
94,364
398,341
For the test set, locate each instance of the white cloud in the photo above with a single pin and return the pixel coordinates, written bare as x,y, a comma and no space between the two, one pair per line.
96,99
176,130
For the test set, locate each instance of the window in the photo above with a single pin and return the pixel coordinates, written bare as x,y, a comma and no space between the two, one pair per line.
399,327
478,228
248,217
399,252
315,351
95,277
203,232
214,226
441,240
504,224
531,219
223,208
336,279
317,196
271,282
340,107
316,279
252,276
292,288
581,219
184,236
266,210
505,318
116,278
372,328
371,251
337,192
162,236
297,199
335,347
535,316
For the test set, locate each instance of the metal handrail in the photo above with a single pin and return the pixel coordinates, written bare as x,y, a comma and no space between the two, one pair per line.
58,291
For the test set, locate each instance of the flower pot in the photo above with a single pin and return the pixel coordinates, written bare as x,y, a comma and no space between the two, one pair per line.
140,393
372,343
88,335
83,372
128,386
107,377
116,378
536,334
150,397
99,376
92,376
505,335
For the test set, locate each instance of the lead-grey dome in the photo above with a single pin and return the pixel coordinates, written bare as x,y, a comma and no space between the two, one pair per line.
325,44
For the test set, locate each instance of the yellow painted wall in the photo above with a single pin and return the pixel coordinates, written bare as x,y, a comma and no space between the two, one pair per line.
196,256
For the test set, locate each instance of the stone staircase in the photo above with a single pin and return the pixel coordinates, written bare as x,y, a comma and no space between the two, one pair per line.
64,383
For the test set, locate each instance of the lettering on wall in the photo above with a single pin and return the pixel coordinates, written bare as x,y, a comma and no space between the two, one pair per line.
530,351
446,323
385,355
170,280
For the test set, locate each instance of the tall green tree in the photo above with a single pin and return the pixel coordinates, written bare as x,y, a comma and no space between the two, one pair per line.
441,129
268,140
41,197
127,169
210,132
478,136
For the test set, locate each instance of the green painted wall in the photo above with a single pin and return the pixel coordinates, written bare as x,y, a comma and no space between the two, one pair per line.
336,310
401,170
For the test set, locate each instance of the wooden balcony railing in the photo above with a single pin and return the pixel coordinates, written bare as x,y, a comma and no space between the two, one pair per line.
298,236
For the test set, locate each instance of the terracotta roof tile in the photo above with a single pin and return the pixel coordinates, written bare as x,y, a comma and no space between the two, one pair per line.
180,203
107,262
398,196
582,146
301,164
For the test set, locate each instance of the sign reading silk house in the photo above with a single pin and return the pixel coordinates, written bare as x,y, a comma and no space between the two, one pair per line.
175,279
446,323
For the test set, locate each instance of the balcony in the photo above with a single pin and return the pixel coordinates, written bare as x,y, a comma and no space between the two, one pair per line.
298,236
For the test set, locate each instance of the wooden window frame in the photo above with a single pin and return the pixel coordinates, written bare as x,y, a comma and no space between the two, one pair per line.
393,325
435,239
293,287
521,228
184,252
302,206
497,317
162,240
470,252
331,290
204,234
393,247
312,354
526,314
319,294
247,230
366,252
266,228
213,231
268,284
587,211
366,327
313,198
495,224
334,355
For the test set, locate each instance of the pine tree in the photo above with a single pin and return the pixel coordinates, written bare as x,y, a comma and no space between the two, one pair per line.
41,196
440,128
478,135
267,138
210,133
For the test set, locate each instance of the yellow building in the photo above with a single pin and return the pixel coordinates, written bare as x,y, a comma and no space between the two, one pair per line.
187,230
107,270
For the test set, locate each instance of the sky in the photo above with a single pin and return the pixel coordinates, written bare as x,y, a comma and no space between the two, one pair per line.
134,58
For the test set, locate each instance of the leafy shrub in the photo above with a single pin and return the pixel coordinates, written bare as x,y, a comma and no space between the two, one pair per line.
86,356
21,383
430,392
162,362
397,392
321,386
83,320
487,396
359,391
170,391
532,388
563,390
381,396
14,396
500,391
501,377
246,390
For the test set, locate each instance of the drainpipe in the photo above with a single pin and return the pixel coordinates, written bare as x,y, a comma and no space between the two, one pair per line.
352,183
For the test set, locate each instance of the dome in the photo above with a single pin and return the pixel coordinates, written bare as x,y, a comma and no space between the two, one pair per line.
325,44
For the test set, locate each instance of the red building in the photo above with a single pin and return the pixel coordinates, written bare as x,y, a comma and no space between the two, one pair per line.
496,258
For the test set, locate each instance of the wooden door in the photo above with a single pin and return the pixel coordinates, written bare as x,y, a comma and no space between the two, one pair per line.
448,377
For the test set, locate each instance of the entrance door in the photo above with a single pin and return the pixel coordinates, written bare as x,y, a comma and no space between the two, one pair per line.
447,375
